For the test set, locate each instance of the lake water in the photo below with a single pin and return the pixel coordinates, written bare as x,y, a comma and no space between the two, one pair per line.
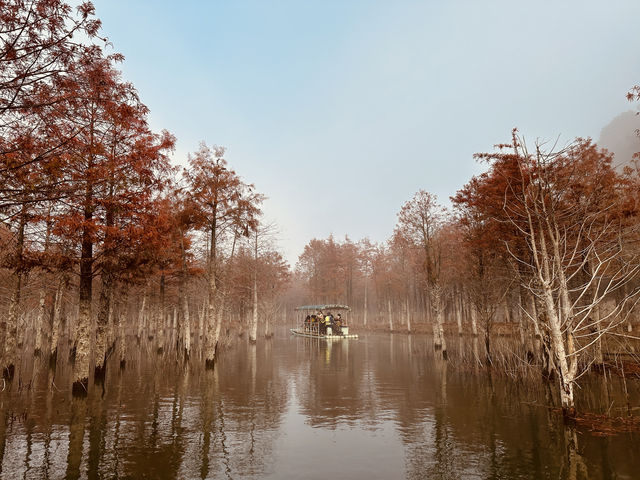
380,407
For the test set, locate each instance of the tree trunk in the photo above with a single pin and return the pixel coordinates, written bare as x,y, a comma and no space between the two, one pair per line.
202,325
161,319
599,356
63,283
43,322
267,323
174,327
439,340
364,321
474,321
566,377
102,324
83,323
253,330
9,327
121,340
458,309
212,329
141,329
185,332
214,337
185,326
408,315
487,341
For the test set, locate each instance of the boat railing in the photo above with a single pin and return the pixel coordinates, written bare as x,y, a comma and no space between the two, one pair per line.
314,327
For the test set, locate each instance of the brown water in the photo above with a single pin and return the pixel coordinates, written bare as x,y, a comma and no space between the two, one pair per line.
382,406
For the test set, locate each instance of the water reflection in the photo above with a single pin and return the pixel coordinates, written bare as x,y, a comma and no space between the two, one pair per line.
382,406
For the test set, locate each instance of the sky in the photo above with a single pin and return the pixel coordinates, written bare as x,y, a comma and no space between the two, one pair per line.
340,110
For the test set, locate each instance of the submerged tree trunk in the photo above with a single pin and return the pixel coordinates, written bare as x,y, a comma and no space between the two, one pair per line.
438,338
102,324
211,329
253,328
121,337
83,323
43,323
474,321
185,330
202,325
214,337
364,320
9,327
487,341
160,320
458,307
267,325
185,326
566,365
63,283
408,315
141,317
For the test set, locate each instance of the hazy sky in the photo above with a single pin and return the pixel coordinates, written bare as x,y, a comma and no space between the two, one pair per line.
340,110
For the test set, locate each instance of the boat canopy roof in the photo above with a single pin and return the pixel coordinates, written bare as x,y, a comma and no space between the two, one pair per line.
323,307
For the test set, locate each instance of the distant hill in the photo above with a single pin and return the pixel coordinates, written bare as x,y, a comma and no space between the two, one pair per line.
620,137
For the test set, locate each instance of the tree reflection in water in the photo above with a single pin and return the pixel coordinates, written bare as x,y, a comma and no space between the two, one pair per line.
379,407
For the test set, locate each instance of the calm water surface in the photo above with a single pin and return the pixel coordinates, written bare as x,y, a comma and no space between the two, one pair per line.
382,406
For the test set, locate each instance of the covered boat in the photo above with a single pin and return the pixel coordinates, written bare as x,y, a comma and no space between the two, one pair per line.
314,323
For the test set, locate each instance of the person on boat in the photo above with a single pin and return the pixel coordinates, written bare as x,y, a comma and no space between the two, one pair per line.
307,323
328,321
322,328
337,325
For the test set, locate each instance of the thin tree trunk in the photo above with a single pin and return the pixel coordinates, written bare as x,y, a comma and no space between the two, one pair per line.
267,324
202,322
365,300
214,338
63,283
83,323
9,327
439,341
102,324
141,322
185,332
407,314
185,326
43,328
212,330
43,325
161,319
253,330
474,321
458,309
121,340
